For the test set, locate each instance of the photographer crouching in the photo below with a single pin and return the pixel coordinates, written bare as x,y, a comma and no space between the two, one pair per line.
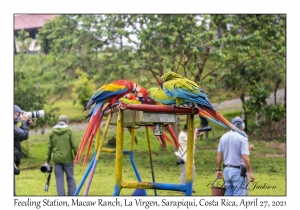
20,134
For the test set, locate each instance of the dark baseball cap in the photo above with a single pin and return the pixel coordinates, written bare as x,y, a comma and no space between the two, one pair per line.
185,127
18,109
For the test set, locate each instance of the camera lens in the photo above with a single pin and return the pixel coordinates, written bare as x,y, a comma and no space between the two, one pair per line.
36,114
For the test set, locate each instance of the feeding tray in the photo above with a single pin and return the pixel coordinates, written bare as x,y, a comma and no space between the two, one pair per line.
134,118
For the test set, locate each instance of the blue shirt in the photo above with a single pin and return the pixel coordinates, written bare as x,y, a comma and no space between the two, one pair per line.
233,146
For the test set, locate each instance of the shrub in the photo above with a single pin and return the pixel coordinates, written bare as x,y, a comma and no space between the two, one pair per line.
83,88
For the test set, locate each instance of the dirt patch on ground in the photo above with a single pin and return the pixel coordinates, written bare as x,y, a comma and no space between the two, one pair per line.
280,147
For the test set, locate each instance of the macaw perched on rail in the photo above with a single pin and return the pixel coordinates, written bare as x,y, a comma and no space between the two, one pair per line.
158,95
143,95
105,96
184,90
130,98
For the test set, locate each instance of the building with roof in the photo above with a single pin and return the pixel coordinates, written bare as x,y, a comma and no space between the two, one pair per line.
31,23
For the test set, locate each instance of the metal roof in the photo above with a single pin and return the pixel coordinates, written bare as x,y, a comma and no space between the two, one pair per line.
31,21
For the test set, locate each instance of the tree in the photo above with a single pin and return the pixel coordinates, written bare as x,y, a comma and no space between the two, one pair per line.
233,52
31,99
74,41
26,95
258,50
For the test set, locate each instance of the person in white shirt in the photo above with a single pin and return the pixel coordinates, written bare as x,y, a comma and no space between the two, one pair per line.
181,153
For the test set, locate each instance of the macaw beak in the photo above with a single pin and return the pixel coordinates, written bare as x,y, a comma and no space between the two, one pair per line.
134,88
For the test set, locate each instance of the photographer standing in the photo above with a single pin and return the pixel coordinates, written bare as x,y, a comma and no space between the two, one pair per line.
234,149
20,134
181,154
61,144
203,124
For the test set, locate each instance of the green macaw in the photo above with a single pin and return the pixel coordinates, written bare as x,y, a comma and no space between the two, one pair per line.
183,90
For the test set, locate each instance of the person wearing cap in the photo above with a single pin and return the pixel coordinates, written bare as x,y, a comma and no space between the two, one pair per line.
181,154
21,133
203,124
233,150
62,148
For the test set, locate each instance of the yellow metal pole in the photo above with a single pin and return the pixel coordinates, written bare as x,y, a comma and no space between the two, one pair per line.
97,155
119,153
150,155
134,184
103,136
190,154
132,132
97,139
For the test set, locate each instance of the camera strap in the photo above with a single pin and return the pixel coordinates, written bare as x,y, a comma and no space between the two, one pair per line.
48,182
183,153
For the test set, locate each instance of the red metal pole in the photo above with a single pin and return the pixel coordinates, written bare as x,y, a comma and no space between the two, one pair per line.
153,108
158,108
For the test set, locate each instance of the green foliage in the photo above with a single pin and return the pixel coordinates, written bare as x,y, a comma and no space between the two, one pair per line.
275,112
83,88
196,46
25,150
31,99
23,41
258,96
235,53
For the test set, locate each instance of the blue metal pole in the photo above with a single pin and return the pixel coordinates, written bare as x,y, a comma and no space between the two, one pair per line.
85,175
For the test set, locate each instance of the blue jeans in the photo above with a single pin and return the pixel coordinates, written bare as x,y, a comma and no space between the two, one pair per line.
59,170
234,182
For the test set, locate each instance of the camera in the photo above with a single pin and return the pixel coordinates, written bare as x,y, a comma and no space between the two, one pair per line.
36,114
244,171
207,128
180,161
46,168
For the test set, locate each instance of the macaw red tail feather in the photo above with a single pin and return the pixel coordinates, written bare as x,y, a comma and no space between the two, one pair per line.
218,116
169,140
83,143
92,135
163,141
205,114
87,151
172,133
89,134
159,138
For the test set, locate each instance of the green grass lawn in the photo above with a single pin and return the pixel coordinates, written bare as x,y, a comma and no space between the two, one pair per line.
268,162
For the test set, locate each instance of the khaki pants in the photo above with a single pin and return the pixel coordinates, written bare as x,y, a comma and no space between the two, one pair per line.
183,174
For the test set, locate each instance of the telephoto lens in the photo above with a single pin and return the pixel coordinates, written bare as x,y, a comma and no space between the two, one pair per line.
36,114
207,128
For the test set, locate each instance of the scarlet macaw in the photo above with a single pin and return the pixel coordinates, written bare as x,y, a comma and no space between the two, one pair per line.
184,90
129,98
143,96
105,96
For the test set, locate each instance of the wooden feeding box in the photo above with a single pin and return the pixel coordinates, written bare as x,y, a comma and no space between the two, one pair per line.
141,118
